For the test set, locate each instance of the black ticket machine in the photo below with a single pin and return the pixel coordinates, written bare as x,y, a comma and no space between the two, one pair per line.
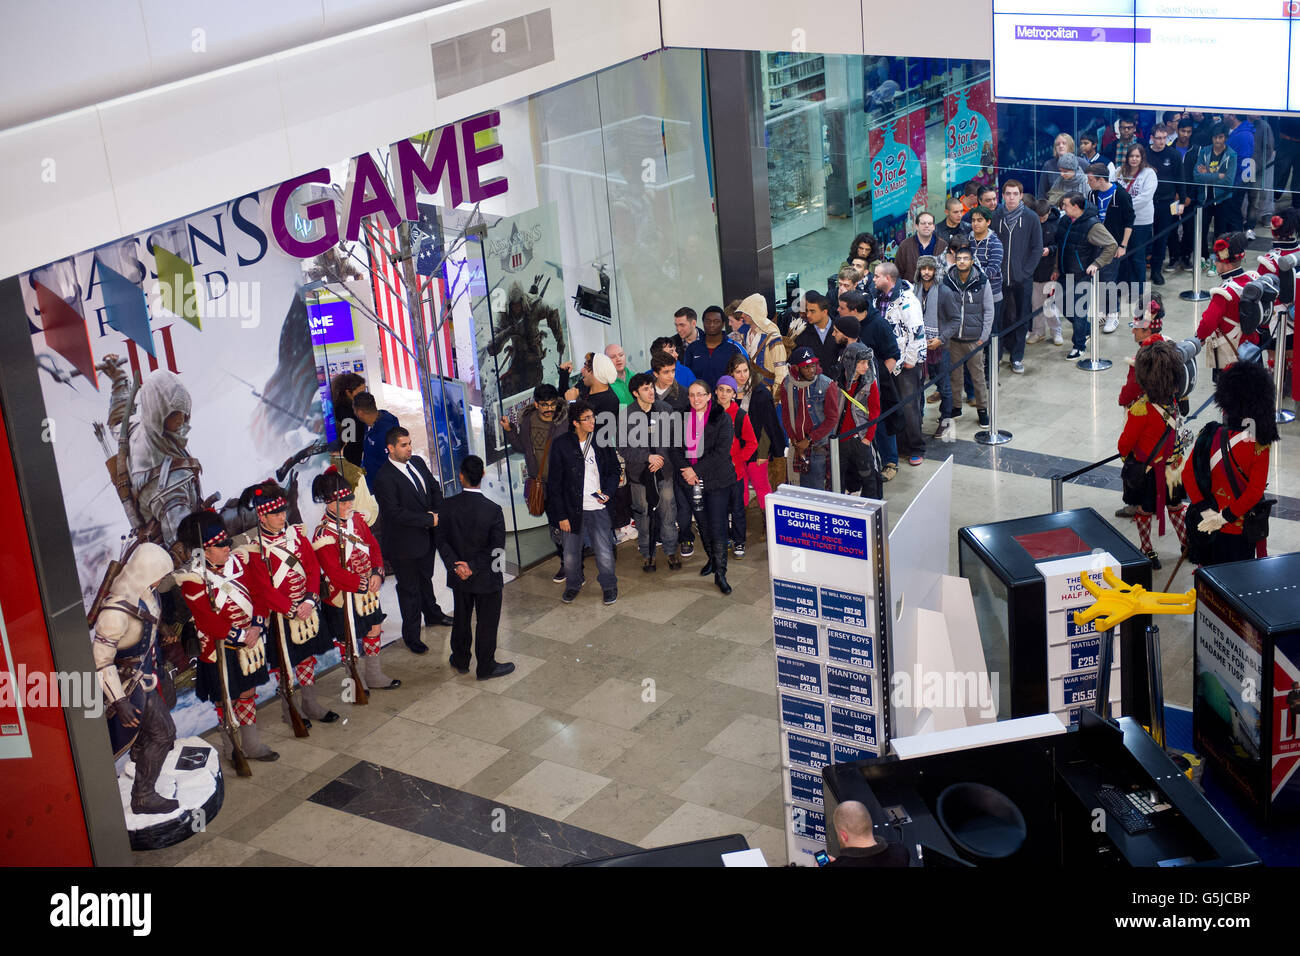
1100,795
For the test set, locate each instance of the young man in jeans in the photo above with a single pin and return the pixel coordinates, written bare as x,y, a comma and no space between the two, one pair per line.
1086,247
581,480
965,322
652,461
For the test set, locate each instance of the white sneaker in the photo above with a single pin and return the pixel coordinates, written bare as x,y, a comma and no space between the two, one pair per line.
1111,324
1250,234
1057,340
1034,339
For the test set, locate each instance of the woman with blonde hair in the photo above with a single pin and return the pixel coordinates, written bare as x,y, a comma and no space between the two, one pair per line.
1064,143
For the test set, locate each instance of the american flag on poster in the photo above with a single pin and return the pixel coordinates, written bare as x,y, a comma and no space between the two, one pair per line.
391,306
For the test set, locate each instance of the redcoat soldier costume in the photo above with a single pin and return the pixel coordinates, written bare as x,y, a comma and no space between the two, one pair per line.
1227,472
1152,322
1148,442
295,574
125,649
1220,327
350,557
230,595
1280,261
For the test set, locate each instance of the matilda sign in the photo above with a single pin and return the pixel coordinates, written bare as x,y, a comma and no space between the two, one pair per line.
454,168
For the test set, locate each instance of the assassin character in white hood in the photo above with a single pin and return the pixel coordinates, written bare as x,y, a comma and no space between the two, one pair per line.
125,648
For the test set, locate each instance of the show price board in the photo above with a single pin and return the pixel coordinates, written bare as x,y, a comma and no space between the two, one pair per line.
1073,650
830,599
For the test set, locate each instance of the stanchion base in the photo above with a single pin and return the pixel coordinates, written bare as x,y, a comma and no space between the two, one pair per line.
1094,365
1191,296
1285,416
999,437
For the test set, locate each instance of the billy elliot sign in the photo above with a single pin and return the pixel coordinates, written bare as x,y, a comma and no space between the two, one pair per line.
455,169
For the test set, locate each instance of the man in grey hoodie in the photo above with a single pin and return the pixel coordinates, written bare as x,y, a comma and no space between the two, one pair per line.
1022,248
965,321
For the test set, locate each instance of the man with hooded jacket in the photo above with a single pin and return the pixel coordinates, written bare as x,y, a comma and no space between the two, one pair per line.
761,339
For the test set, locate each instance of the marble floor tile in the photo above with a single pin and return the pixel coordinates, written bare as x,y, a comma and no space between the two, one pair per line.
219,851
393,742
625,811
586,745
553,790
620,703
524,666
449,758
448,854
556,685
746,624
501,773
308,754
378,844
728,786
691,821
749,739
657,605
536,731
748,667
172,855
445,699
661,765
242,797
564,625
267,858
770,811
309,834
489,717
253,823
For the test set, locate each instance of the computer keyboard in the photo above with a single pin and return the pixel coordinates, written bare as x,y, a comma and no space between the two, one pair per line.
1128,810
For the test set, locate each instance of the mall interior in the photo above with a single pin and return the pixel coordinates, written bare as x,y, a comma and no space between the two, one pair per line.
219,209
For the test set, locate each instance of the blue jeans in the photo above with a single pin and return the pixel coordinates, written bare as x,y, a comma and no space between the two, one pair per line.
817,476
1017,306
667,512
944,372
597,530
1075,308
887,445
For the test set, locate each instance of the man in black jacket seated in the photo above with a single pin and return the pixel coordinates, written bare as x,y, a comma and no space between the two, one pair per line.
581,480
409,497
858,844
472,542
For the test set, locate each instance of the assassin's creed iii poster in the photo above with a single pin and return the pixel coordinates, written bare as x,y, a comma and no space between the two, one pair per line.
177,369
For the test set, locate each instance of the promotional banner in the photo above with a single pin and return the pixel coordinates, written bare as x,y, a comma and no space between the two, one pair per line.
177,368
1228,674
1285,782
831,635
970,137
898,177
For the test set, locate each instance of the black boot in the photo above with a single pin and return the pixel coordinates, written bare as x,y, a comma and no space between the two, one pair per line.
720,568
708,550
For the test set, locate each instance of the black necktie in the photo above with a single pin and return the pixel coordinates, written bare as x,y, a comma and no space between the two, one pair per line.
419,485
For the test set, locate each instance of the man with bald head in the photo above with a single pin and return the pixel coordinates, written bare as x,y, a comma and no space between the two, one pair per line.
858,845
619,386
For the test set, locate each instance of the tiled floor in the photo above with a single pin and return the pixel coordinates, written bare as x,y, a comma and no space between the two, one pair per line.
653,721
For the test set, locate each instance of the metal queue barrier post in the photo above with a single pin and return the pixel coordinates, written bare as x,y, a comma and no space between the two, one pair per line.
1284,415
835,465
992,436
1155,686
1093,363
1197,294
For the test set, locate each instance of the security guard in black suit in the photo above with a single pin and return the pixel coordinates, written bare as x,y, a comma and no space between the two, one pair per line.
471,540
409,498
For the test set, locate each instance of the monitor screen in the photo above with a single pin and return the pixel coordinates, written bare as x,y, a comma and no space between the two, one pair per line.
1149,53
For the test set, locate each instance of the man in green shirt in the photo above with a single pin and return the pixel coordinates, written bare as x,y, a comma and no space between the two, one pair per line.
620,387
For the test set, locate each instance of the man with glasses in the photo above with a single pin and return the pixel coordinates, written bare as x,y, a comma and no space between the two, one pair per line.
545,420
581,481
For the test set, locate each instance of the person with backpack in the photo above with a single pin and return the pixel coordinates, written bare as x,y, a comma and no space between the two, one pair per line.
743,446
1148,442
1227,472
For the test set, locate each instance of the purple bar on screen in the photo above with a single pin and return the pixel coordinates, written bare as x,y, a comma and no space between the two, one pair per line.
1031,31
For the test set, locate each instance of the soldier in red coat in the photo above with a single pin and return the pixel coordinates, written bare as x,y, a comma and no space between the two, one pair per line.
350,557
1280,261
1220,327
1226,474
295,626
1148,442
1146,331
230,595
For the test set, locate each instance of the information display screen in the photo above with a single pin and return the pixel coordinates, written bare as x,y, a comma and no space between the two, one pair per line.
1219,54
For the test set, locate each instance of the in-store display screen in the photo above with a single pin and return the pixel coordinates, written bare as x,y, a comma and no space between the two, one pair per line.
1217,54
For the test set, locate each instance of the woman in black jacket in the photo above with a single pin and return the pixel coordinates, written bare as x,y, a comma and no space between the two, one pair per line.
709,473
351,431
757,402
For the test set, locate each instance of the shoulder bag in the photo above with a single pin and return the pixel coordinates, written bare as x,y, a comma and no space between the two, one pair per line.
535,488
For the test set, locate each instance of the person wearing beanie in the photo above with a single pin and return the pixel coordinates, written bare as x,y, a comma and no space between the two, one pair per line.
744,444
707,356
1146,327
760,339
1068,180
849,327
1227,471
600,376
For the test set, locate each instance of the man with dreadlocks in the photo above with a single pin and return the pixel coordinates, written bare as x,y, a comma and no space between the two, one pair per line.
295,630
1148,440
1227,472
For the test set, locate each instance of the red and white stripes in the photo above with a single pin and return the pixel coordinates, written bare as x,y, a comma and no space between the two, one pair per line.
399,367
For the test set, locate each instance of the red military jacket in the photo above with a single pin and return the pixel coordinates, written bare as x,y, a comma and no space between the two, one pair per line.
1221,314
361,556
1132,391
1268,261
1251,476
290,561
1142,430
225,601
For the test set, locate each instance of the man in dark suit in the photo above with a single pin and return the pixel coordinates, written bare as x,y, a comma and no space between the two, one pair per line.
472,541
409,498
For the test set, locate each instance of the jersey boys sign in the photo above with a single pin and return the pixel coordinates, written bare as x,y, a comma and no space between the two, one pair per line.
454,170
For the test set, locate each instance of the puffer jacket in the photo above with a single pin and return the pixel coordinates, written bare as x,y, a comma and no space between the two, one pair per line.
965,308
